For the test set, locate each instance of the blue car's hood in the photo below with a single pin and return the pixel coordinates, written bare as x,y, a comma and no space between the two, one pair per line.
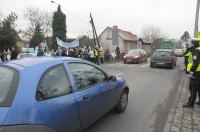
3,113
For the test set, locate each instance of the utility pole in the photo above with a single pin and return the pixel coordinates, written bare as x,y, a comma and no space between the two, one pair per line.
196,28
96,40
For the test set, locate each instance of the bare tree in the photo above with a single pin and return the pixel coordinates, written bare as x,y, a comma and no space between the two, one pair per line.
152,32
36,16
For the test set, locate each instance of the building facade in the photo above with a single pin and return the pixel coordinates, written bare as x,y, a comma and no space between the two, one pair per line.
113,37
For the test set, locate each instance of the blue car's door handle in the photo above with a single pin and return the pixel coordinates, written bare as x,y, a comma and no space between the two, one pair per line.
86,97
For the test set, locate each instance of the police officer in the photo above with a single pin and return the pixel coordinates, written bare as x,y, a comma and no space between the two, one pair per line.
96,54
186,55
193,68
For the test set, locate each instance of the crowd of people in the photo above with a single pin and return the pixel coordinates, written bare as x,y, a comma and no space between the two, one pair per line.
9,55
95,55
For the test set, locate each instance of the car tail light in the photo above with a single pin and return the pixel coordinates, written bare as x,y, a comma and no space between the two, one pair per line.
170,59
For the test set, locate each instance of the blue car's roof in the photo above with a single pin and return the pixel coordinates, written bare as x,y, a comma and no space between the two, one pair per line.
33,61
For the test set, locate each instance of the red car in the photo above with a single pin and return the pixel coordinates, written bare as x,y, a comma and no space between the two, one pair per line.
135,56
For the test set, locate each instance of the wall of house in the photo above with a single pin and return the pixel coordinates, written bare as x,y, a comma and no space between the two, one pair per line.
106,40
128,45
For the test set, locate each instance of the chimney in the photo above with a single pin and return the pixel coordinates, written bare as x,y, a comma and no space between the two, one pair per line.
115,35
115,27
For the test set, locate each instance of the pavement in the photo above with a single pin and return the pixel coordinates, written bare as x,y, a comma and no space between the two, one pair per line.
183,119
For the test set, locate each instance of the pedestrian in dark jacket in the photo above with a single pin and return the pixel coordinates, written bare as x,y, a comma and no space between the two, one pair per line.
14,54
40,51
2,56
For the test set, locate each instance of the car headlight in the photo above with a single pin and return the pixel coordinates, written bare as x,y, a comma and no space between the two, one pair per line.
26,128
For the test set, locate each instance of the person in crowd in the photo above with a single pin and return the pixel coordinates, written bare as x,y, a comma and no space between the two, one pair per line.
6,54
107,55
96,55
63,53
14,54
40,51
91,55
2,56
86,54
79,53
117,53
101,55
57,53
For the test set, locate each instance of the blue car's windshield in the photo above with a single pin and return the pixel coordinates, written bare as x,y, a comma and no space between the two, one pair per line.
8,84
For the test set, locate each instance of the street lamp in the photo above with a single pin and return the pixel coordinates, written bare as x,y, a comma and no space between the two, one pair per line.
55,2
197,18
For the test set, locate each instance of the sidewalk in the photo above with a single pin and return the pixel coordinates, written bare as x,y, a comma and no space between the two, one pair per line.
183,119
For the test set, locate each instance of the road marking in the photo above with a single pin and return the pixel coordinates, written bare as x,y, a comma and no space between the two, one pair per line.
145,65
120,74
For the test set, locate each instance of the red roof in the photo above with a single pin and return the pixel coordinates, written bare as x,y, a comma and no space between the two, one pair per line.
126,35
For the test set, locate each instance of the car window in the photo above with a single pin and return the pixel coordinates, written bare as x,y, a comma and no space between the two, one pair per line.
86,75
161,53
134,52
8,85
54,83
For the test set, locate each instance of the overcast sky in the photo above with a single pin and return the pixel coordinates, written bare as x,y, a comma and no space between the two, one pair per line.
173,16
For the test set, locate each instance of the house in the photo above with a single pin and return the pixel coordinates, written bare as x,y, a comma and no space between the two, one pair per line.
20,43
145,44
112,37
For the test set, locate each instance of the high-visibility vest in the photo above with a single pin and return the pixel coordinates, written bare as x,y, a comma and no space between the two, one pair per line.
188,54
96,52
190,62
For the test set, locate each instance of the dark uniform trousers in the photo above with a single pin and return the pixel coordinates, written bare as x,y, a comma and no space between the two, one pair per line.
194,88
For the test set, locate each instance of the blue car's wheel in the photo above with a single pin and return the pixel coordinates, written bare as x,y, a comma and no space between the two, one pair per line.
121,106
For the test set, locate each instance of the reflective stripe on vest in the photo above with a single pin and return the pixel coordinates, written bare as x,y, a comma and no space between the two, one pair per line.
190,62
188,54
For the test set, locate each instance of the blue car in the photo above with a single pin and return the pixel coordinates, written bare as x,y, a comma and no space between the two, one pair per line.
56,94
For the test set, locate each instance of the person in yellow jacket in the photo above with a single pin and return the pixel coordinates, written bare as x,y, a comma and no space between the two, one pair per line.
193,68
96,54
186,55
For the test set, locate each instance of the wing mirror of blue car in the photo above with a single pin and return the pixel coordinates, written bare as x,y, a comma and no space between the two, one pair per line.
112,78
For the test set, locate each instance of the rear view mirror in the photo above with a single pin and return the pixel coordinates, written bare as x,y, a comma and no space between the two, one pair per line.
112,78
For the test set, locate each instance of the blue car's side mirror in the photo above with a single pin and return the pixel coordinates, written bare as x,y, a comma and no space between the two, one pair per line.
112,78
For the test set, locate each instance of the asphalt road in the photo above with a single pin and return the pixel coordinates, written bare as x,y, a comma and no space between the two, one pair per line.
151,94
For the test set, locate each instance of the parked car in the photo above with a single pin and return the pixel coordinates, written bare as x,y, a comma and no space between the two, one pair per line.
27,54
135,56
50,94
178,52
163,57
